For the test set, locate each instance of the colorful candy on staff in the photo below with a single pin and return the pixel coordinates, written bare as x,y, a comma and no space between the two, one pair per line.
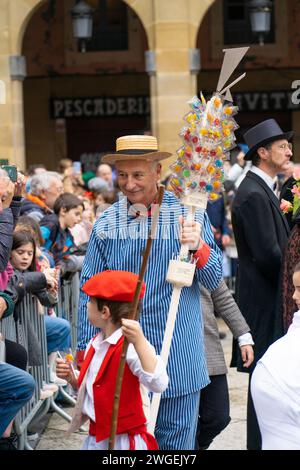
208,137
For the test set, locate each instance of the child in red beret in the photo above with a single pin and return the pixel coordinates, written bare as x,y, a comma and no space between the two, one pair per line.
111,294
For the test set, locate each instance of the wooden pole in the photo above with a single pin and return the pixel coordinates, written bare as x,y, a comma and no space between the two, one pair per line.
133,315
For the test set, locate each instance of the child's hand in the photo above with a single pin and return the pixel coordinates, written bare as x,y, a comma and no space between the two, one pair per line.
134,334
63,369
132,331
50,275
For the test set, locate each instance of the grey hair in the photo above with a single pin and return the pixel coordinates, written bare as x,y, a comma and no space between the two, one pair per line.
41,182
154,164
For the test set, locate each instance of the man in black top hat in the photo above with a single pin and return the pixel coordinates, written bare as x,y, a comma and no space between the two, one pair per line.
261,234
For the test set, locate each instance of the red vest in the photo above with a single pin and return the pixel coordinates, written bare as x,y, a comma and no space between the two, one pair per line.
131,413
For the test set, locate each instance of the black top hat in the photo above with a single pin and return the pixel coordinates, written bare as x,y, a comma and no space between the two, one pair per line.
262,134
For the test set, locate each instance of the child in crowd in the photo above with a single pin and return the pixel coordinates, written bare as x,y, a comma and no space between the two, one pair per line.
103,200
55,227
275,386
111,294
82,231
44,259
44,287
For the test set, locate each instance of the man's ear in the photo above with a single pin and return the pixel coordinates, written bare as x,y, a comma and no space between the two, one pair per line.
262,153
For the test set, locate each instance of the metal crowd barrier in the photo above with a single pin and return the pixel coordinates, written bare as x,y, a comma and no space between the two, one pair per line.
29,314
67,306
18,332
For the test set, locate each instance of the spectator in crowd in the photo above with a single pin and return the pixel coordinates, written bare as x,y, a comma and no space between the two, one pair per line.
214,399
81,232
55,228
44,190
98,184
261,234
36,169
286,193
103,200
239,169
275,386
44,286
65,166
291,257
16,385
111,294
104,171
44,258
32,170
217,216
16,389
114,246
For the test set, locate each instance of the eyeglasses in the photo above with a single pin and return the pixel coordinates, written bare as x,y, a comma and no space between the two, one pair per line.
286,146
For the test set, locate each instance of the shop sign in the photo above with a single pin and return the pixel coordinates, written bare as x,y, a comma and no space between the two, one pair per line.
63,108
257,101
266,101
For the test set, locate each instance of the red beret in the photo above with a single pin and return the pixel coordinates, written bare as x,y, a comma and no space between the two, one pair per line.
113,285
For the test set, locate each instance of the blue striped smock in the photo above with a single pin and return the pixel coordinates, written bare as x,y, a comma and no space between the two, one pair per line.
117,242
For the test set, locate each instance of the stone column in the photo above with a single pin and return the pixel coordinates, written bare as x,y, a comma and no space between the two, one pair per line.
172,85
17,124
11,121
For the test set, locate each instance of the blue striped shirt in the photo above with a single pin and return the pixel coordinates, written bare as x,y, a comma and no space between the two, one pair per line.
117,242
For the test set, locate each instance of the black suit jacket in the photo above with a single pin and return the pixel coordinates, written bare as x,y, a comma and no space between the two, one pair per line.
261,234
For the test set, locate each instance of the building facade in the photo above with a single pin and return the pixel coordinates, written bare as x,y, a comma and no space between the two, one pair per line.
137,74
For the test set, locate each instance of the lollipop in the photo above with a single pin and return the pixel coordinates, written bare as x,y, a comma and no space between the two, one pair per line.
208,137
69,358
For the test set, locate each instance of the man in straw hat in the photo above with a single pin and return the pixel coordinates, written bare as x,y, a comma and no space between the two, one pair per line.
261,234
118,241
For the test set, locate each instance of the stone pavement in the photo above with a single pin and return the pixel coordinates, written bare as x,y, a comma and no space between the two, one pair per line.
232,438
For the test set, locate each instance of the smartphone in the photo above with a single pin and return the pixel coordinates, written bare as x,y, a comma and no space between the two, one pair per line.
77,167
12,172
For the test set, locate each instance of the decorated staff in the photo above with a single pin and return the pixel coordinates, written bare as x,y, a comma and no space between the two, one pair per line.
198,175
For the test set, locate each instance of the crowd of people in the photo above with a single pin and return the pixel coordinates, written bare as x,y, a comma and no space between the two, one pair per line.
53,224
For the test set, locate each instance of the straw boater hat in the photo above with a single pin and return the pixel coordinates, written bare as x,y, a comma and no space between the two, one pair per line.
136,147
262,134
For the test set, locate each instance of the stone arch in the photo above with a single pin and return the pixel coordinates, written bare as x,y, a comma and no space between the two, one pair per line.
26,10
197,11
29,7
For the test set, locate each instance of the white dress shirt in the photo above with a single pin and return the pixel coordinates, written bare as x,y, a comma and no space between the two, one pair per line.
267,178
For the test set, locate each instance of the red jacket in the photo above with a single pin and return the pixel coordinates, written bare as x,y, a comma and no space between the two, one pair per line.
131,415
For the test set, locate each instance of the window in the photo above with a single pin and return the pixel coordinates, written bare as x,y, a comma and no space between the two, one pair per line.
237,26
110,32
